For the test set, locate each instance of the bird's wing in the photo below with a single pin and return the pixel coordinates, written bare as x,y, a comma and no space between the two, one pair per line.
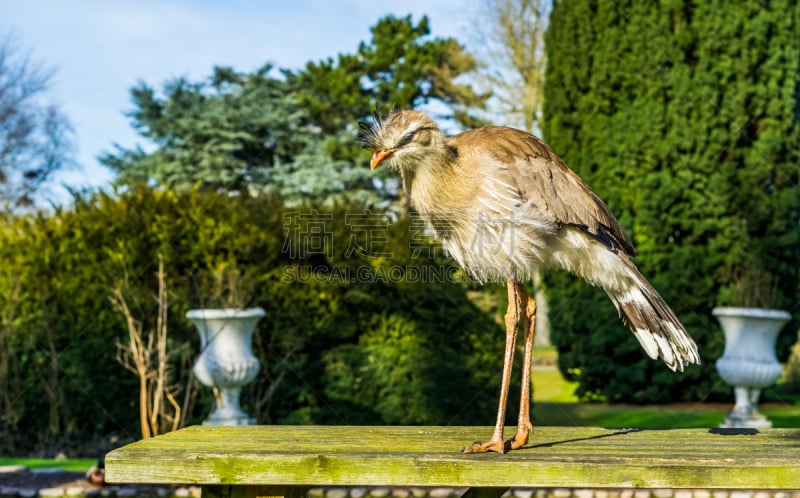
544,181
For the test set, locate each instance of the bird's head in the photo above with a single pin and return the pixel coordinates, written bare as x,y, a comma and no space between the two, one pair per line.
402,140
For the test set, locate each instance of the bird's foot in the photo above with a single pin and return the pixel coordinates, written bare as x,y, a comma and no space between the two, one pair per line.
520,439
496,446
516,442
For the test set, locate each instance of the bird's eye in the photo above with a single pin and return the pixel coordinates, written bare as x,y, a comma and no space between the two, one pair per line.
407,138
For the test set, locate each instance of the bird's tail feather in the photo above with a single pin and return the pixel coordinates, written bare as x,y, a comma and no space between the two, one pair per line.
654,324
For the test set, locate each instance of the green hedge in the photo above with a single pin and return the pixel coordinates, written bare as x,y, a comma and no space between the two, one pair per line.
363,338
684,117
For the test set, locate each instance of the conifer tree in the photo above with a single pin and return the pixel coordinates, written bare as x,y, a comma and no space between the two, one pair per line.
684,117
292,131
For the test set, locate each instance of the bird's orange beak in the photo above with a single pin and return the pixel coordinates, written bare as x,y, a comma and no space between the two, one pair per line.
378,157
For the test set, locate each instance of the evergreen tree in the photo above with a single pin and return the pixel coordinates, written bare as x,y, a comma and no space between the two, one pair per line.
683,116
288,131
223,134
400,67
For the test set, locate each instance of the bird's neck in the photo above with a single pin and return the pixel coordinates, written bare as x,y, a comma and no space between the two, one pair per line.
428,181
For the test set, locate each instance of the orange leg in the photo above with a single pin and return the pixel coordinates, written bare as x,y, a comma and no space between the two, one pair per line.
516,298
524,425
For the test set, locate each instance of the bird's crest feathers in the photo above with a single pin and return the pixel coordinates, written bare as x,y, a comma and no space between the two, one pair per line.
393,132
370,135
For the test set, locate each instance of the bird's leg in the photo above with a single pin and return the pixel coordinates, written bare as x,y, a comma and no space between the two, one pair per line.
512,321
524,426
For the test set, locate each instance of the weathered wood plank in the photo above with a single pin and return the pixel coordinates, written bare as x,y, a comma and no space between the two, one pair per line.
430,456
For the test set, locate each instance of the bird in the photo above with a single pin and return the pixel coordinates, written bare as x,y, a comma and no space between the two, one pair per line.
504,205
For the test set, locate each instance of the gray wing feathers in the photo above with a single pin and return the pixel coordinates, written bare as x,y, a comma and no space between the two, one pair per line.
550,185
653,323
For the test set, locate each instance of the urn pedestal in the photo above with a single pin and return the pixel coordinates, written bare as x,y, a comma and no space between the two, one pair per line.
749,363
226,361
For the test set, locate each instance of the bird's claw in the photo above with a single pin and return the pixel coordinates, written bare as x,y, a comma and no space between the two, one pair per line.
512,444
495,446
516,442
520,439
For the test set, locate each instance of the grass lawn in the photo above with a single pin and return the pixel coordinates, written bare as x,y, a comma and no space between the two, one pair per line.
550,386
69,465
683,415
556,404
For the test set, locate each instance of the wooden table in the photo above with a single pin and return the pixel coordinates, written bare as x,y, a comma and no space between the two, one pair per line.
261,461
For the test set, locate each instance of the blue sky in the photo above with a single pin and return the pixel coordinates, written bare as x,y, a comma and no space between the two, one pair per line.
100,49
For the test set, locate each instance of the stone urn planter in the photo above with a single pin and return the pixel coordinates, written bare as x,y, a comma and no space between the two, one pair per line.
226,361
749,363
